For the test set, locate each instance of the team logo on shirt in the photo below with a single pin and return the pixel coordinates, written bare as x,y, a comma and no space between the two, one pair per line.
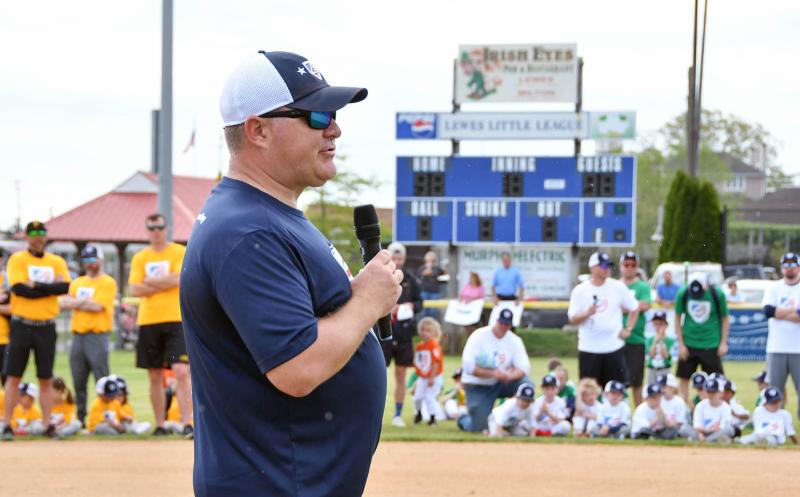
84,292
699,310
41,274
422,360
156,269
340,260
501,359
602,305
788,302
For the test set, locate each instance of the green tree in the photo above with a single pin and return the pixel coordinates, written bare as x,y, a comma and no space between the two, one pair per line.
331,211
672,228
704,232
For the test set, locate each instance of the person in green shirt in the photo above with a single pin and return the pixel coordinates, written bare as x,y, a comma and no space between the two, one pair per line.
703,330
635,343
659,348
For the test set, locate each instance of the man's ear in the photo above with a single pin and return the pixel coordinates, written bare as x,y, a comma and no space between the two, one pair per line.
257,131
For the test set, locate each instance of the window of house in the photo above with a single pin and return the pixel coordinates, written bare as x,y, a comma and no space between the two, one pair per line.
736,184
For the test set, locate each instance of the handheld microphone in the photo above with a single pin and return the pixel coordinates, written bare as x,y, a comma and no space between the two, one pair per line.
368,232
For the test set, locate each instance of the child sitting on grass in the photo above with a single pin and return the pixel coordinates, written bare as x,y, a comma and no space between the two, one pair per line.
26,419
64,410
713,420
126,414
587,408
104,414
455,399
514,417
771,424
615,414
550,410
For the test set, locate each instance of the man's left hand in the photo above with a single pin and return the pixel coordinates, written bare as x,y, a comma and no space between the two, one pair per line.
722,350
624,333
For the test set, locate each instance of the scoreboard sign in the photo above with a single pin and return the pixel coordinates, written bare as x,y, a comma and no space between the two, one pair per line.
587,201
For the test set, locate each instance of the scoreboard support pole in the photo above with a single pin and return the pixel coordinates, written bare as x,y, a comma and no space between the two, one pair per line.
452,251
574,252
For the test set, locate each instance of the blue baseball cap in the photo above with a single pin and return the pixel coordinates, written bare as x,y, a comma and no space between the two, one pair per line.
771,395
699,379
549,380
91,252
525,391
615,386
506,317
630,255
659,316
653,389
730,386
712,385
601,259
266,81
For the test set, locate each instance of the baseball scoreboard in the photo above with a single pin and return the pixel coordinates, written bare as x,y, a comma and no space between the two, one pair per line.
587,201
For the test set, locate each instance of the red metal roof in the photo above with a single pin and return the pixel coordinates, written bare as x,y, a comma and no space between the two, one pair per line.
120,214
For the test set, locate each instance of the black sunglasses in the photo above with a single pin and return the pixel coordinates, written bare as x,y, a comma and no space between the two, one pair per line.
156,227
315,119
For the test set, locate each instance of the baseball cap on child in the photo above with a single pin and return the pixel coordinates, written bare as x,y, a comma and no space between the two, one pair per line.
659,316
790,259
121,383
107,386
266,81
525,391
506,317
730,386
699,379
458,372
29,389
600,259
771,395
712,385
717,376
667,380
653,389
761,378
615,386
549,380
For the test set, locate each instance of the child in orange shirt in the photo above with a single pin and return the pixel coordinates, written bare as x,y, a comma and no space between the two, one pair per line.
126,414
429,364
104,415
64,411
27,418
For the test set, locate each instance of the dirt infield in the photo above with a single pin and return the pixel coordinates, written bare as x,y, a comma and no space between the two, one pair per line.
139,468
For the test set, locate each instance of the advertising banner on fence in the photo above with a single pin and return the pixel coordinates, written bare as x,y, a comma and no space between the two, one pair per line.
606,125
517,73
748,336
545,271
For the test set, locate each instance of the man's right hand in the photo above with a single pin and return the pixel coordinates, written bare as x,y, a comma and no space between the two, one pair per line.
683,352
378,284
591,311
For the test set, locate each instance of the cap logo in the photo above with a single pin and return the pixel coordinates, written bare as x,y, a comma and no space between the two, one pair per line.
311,70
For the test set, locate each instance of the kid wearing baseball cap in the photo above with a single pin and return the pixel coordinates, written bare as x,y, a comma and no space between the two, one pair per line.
105,415
650,420
674,407
26,419
771,424
713,420
615,414
515,416
550,410
658,348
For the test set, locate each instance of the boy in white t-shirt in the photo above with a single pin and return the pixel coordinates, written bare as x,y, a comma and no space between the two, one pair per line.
741,416
713,420
550,410
615,414
771,424
514,417
650,420
674,406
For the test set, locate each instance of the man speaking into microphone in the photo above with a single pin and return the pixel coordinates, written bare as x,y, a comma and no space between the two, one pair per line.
289,383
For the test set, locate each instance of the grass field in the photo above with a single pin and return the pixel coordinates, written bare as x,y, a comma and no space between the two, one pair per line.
122,363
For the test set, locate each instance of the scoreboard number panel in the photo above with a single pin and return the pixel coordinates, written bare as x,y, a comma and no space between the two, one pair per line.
586,200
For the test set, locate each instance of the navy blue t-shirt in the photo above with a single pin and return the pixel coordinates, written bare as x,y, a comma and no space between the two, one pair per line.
257,276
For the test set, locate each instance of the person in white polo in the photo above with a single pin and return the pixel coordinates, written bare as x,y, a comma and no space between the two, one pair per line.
782,305
596,306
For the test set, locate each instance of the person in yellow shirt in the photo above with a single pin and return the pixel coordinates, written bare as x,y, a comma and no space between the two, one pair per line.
126,413
62,416
26,418
35,278
91,299
154,277
104,415
5,312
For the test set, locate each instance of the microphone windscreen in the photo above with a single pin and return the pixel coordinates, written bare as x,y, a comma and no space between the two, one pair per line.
365,215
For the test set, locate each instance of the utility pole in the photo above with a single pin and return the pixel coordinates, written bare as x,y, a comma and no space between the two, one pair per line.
165,119
695,107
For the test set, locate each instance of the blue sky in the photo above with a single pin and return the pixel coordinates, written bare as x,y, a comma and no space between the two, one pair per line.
79,78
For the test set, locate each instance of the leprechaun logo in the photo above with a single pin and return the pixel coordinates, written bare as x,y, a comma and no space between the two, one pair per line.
477,68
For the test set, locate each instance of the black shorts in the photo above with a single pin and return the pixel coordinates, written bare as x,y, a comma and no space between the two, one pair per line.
3,360
401,351
160,345
24,337
634,359
603,367
707,359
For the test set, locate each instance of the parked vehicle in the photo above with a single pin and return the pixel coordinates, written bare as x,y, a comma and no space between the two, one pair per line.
753,289
680,272
750,272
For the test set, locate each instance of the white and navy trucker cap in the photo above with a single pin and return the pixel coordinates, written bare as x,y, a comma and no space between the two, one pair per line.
266,81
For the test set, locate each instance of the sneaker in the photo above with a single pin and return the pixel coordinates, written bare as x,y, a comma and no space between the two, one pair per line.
8,434
432,421
398,422
418,418
188,432
160,432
